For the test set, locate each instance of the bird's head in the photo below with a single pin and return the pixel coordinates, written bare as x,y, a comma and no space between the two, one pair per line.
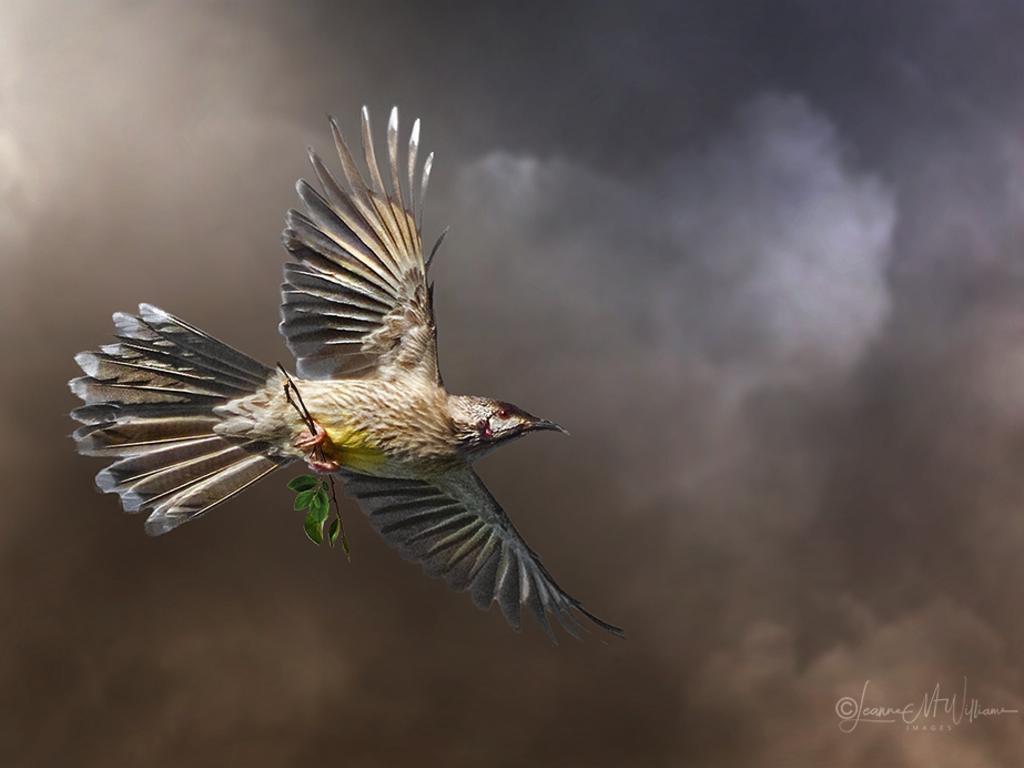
482,424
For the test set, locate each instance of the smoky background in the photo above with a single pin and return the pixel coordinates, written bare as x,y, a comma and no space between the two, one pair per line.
762,259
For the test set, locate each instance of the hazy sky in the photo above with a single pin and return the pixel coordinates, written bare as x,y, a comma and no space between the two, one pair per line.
764,260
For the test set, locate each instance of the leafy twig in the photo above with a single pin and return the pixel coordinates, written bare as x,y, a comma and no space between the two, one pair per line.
311,492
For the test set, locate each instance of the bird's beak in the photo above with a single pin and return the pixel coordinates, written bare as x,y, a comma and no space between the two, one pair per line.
538,424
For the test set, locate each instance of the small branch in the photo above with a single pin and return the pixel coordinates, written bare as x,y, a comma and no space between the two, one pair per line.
303,412
342,536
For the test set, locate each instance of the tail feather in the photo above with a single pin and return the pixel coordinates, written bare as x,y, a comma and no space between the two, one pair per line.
150,403
158,332
122,433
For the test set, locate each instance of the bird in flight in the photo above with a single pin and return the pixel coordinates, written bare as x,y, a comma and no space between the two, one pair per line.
192,421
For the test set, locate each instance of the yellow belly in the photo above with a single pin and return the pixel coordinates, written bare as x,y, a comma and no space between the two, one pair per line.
353,448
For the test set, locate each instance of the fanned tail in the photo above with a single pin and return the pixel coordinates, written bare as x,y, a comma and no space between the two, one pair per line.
149,403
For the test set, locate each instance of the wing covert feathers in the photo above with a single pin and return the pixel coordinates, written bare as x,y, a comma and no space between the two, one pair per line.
356,302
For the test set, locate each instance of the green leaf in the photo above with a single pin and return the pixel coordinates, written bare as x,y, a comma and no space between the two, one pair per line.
314,528
302,483
305,499
334,531
317,505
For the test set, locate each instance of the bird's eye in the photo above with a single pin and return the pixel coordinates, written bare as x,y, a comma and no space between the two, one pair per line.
503,413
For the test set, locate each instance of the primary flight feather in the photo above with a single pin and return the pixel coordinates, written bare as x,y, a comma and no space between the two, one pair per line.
191,422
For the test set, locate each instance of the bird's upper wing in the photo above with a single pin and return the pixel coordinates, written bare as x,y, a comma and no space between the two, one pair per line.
453,526
356,302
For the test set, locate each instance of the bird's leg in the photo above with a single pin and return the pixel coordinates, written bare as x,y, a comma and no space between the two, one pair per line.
313,444
310,441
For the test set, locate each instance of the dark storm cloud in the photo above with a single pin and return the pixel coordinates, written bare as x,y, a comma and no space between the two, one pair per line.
764,261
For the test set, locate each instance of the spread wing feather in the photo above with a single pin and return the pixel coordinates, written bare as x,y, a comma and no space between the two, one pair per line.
453,526
356,302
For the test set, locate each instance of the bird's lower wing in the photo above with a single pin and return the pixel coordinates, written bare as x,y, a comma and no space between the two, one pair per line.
453,526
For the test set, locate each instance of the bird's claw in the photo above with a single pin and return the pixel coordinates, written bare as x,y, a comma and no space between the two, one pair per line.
312,443
323,466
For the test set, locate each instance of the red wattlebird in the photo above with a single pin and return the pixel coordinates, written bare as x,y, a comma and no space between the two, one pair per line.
191,421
